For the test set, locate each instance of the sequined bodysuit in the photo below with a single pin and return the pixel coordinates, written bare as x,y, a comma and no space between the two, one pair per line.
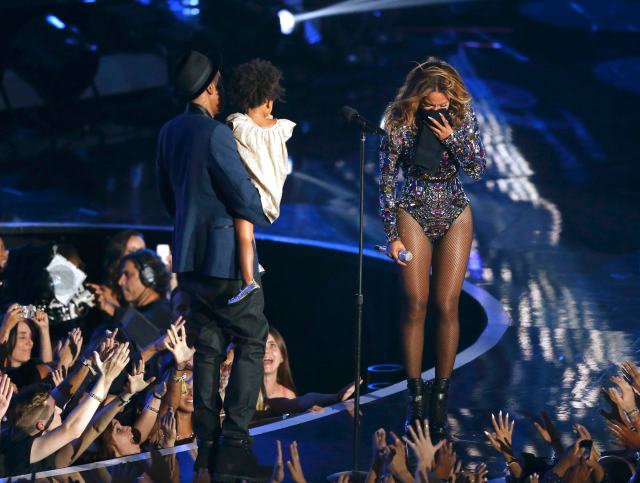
434,200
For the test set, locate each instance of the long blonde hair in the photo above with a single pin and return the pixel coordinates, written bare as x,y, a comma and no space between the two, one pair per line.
432,75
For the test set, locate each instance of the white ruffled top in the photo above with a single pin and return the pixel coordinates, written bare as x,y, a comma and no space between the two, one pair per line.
264,153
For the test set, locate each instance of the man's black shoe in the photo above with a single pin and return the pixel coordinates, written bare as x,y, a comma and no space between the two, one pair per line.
235,461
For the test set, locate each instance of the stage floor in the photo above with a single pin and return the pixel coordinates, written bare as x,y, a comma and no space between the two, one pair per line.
556,219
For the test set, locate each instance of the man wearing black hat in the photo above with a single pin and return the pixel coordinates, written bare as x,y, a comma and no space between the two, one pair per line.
204,186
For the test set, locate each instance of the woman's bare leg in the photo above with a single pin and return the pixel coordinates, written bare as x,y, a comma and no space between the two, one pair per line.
415,283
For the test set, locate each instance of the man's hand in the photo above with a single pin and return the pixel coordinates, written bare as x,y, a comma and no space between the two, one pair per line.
135,380
176,343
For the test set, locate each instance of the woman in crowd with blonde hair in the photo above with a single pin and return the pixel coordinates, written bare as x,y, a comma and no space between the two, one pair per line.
432,134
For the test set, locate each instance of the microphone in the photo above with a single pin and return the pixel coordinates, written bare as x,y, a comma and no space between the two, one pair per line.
404,255
353,116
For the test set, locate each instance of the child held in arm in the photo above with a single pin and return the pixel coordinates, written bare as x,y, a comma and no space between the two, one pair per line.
261,141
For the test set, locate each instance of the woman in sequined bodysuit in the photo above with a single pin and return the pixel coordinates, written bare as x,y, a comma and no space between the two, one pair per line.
430,217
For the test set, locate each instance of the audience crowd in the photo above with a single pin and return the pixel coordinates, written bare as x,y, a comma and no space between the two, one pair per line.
115,378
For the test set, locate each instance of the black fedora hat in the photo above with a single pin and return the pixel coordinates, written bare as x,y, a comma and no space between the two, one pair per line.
194,72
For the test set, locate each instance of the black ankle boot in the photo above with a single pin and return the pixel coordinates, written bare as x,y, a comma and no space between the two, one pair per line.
438,410
235,460
417,404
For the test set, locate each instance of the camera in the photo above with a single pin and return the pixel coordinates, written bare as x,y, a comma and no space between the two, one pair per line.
28,311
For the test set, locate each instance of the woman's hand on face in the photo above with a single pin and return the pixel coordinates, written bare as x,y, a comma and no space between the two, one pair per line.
440,127
393,251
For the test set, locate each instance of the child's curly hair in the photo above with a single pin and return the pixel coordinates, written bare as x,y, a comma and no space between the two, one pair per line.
254,83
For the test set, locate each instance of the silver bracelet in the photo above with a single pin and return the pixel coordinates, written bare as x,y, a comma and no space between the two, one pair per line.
96,397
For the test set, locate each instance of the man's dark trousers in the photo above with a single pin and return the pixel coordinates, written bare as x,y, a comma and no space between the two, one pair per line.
212,324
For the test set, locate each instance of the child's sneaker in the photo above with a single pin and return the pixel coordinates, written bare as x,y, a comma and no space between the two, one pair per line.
244,293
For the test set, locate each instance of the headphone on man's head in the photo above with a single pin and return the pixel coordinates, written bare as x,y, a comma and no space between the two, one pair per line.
147,275
146,271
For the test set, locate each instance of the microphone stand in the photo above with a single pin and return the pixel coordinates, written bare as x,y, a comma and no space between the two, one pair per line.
358,322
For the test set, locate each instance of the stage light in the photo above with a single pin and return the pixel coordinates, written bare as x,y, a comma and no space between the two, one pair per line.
56,22
287,21
355,6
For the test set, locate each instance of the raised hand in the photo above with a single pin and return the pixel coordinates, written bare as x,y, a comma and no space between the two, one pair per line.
534,478
614,414
12,317
624,436
160,341
624,398
420,443
108,344
42,320
548,431
632,373
570,458
114,364
70,349
176,343
135,380
105,298
477,474
396,457
380,444
6,393
278,466
346,392
57,377
594,455
169,428
502,439
579,473
294,465
445,461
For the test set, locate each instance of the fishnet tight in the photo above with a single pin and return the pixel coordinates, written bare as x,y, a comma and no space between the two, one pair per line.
448,258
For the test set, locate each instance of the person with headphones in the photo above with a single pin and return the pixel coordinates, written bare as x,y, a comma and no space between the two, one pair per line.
144,281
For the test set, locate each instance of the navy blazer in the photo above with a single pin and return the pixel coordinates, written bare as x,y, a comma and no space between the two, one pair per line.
204,185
